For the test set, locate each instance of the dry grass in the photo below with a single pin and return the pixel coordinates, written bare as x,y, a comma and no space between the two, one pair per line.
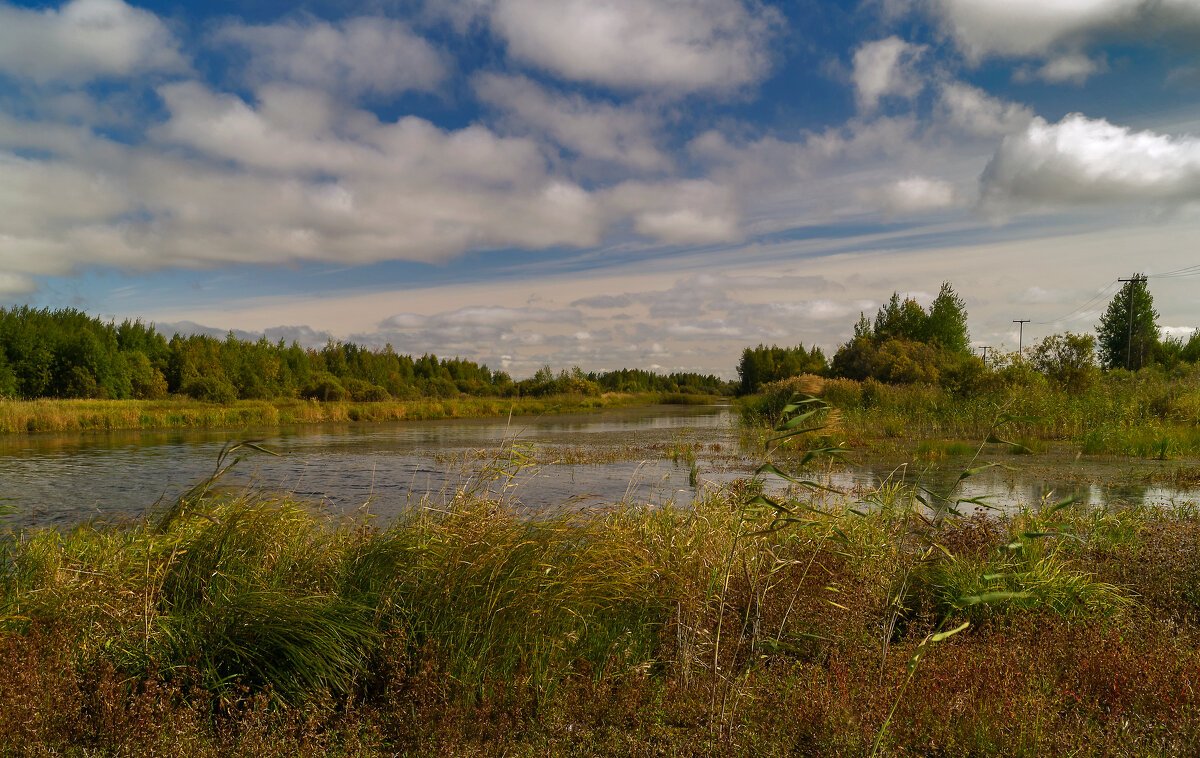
18,416
253,627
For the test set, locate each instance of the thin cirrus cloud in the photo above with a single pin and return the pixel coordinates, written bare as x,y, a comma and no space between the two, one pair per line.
1084,161
357,56
85,40
670,46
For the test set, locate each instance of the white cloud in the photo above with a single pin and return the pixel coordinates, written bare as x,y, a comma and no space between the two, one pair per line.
224,181
1036,295
666,45
599,131
1040,28
1178,332
84,40
1071,67
978,114
492,317
682,212
1090,161
886,67
363,55
15,284
914,194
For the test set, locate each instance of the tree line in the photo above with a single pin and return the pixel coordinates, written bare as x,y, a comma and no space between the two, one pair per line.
906,343
65,353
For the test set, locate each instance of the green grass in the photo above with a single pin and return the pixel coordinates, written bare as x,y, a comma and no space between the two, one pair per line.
1149,414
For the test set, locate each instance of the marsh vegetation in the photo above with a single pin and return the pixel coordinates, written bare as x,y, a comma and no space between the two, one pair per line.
891,622
772,611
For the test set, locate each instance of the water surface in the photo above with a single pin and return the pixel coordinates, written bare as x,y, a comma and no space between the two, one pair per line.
579,460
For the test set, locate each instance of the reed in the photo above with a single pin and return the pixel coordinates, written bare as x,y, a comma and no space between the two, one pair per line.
1150,414
813,623
47,415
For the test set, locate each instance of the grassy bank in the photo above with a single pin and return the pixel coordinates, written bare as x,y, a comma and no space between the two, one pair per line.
249,626
1148,414
18,416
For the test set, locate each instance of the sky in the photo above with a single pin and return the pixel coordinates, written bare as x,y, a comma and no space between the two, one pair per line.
601,183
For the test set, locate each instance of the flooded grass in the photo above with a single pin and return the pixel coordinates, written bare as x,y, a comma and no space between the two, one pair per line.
250,623
47,415
755,620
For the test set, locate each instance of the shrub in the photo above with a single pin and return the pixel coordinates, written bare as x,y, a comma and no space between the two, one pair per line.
365,392
324,386
1067,358
210,389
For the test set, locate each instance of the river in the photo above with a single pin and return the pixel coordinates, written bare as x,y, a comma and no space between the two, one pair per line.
637,455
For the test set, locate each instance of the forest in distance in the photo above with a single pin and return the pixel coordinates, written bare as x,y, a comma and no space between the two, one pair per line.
64,353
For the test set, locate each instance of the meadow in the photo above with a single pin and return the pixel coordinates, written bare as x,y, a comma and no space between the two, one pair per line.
885,624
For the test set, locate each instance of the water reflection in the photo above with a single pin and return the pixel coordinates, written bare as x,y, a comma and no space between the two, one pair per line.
63,479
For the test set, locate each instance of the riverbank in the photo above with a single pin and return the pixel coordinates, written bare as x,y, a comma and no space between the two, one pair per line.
250,626
1148,414
21,416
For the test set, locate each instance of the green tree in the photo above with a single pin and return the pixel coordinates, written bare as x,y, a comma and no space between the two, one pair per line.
947,322
1125,341
899,319
1067,358
1191,350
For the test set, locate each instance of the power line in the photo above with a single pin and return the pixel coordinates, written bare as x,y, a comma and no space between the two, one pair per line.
1179,273
1092,299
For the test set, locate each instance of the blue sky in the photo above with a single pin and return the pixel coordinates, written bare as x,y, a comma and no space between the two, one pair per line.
602,183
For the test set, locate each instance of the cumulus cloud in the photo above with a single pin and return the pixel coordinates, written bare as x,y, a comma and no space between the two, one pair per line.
84,40
226,181
362,55
619,134
1061,30
886,67
1090,161
664,45
978,114
914,194
1072,67
694,211
1178,332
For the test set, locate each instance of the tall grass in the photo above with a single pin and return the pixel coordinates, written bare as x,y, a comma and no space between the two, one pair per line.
18,416
810,624
1149,414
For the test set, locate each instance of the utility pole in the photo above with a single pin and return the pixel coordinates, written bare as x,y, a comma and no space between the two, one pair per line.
1129,305
985,348
1020,333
